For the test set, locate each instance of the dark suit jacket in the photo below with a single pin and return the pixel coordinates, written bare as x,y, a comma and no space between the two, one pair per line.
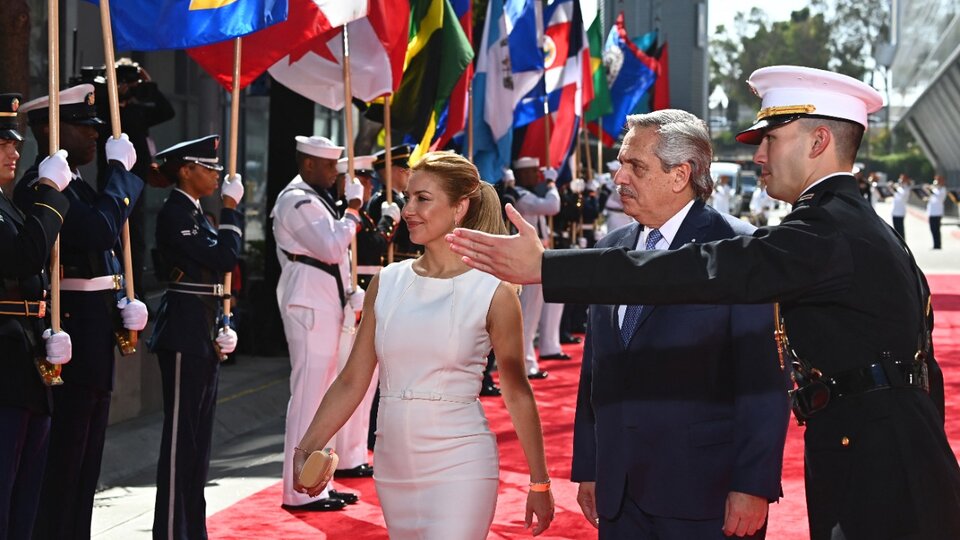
848,293
695,406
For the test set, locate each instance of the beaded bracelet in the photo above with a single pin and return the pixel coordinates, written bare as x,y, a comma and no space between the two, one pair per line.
540,487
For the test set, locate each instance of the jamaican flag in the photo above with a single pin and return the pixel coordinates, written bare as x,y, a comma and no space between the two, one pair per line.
438,52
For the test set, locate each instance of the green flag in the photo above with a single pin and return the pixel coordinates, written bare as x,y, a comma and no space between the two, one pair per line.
600,105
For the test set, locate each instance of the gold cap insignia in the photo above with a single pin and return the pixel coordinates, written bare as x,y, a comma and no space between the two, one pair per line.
767,112
15,104
90,99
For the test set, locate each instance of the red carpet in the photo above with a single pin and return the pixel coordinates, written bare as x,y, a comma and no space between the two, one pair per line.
260,515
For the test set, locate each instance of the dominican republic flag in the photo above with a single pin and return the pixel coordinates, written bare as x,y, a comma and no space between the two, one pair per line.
567,82
509,65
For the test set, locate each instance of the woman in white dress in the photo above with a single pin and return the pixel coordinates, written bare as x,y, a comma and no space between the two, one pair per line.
430,323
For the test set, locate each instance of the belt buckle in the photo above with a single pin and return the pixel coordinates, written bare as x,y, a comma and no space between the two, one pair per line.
41,309
218,289
406,394
117,282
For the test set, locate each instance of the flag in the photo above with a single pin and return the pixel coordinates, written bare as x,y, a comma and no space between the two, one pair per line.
378,43
567,83
150,25
630,73
438,52
509,65
648,44
661,89
454,116
598,73
308,20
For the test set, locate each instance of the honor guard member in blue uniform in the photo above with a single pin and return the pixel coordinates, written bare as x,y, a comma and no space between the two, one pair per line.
94,309
190,335
851,299
26,236
387,215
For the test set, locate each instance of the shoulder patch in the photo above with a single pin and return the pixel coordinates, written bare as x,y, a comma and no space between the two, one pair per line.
301,203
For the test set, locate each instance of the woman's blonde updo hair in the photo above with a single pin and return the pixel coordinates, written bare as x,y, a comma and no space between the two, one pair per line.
460,179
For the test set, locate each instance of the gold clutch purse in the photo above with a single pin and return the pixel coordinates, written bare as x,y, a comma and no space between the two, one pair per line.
318,469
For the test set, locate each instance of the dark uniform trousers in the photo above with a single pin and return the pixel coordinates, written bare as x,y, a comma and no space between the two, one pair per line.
193,251
878,463
26,235
82,404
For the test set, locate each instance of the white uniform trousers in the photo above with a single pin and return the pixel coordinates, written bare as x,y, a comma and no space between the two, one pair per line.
531,306
550,329
312,338
351,441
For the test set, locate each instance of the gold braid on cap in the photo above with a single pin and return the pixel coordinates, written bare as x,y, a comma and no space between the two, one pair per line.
767,112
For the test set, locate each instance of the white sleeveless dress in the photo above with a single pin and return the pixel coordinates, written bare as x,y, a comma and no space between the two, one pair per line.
436,459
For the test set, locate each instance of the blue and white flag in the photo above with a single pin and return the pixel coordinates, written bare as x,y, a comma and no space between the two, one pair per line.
149,25
509,66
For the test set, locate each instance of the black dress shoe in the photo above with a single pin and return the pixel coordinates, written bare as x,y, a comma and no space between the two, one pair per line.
319,505
567,339
490,390
348,498
360,471
558,356
538,375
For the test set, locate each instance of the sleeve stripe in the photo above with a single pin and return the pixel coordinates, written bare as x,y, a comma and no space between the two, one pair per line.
233,228
54,210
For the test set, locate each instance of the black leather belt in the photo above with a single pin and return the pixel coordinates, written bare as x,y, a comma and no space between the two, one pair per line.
23,308
332,269
873,377
202,289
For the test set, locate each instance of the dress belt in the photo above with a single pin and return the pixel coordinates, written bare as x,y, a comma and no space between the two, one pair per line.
368,269
101,283
427,396
203,289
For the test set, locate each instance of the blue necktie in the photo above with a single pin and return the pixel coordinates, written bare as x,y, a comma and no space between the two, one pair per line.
631,318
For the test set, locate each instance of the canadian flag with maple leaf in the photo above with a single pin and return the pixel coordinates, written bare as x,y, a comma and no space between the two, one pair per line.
305,52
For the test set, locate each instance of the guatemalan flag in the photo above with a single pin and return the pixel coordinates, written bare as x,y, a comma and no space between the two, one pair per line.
149,25
509,65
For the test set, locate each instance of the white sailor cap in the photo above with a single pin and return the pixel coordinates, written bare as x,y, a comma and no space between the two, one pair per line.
508,175
792,92
526,162
317,146
613,166
361,165
77,106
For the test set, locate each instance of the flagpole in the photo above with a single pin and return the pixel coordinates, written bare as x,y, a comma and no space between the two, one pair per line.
600,145
586,152
470,121
388,165
50,373
128,342
348,131
546,131
232,166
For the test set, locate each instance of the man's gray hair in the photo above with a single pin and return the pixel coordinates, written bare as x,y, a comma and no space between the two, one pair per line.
683,139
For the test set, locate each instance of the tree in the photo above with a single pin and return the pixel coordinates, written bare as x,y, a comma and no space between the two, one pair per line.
858,26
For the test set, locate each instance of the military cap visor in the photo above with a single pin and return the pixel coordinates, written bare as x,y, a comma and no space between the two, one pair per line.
9,105
201,151
77,106
399,156
754,134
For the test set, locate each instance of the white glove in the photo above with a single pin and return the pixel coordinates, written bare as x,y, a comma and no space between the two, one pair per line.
356,299
56,169
121,150
391,210
577,185
232,187
550,174
133,313
353,191
59,346
592,185
227,340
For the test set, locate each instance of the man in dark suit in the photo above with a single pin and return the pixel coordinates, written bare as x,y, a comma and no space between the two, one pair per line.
686,406
851,298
